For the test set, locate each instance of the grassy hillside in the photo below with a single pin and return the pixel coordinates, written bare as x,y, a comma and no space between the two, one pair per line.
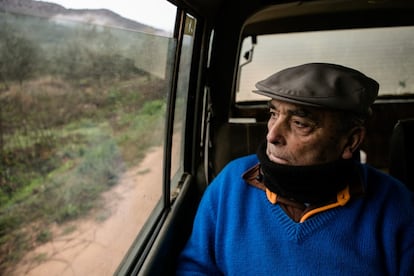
75,113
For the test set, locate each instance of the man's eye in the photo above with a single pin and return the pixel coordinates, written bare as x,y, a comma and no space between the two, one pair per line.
301,124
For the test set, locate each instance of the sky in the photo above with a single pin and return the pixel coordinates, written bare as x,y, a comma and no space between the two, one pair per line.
141,11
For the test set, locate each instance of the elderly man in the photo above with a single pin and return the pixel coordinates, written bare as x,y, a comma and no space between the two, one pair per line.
303,205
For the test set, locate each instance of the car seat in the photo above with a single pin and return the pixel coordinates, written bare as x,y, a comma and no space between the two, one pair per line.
401,161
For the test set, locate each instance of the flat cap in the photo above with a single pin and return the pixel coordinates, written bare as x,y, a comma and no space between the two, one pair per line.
322,85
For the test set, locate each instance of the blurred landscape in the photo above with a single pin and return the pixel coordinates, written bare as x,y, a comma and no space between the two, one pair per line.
81,100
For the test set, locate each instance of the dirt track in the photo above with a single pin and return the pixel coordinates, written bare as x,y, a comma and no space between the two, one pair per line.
96,247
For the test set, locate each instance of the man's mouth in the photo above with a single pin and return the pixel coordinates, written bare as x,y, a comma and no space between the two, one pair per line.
276,158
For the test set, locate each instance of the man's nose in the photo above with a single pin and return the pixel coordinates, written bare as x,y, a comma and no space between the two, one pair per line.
276,131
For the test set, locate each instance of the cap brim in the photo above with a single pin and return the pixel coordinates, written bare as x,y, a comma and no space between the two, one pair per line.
286,99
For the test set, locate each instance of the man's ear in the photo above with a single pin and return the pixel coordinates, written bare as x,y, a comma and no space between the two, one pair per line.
354,140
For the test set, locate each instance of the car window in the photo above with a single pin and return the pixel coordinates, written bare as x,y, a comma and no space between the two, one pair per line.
382,53
177,156
83,96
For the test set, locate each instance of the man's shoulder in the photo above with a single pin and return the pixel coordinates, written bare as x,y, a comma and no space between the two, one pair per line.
379,177
229,183
232,173
242,163
382,185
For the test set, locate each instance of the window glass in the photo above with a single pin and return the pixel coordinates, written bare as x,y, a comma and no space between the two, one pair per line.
382,53
181,97
83,92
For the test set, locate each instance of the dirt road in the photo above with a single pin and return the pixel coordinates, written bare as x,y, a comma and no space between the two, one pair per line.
96,246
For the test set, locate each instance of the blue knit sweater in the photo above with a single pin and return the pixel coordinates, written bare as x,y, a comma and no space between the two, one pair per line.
237,231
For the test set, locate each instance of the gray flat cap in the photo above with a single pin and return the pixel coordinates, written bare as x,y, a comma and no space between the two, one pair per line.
322,85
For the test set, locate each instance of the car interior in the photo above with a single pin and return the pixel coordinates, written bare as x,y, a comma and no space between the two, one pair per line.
219,128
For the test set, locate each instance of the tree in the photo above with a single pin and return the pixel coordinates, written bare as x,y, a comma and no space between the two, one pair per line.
18,56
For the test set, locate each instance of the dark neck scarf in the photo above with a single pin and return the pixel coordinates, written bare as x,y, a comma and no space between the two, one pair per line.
306,184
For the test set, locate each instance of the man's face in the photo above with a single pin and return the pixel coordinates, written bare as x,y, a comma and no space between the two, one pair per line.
300,135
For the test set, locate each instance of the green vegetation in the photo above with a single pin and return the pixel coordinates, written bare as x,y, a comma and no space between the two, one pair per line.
71,122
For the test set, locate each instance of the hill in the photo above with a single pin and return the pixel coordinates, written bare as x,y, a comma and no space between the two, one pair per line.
55,12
